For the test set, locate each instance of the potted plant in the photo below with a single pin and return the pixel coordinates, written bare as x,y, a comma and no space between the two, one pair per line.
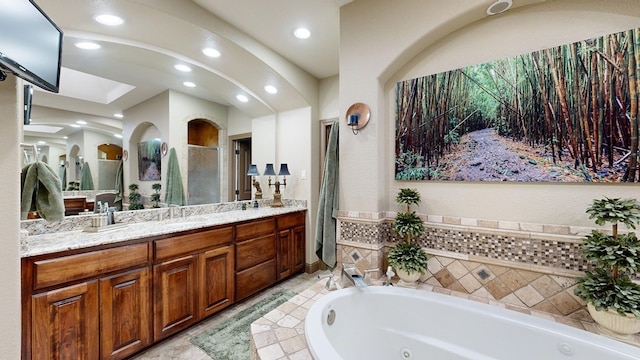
407,257
135,199
613,299
155,197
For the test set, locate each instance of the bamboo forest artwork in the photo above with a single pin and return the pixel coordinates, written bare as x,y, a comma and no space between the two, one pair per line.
564,114
149,160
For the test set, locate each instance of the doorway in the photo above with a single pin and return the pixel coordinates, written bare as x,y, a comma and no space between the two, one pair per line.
242,160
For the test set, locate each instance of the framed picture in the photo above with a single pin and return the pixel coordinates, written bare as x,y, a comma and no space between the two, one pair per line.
149,160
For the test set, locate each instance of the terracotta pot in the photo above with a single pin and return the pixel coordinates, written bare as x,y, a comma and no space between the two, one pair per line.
614,322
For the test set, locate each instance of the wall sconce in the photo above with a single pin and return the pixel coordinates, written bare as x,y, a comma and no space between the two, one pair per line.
357,117
253,172
284,171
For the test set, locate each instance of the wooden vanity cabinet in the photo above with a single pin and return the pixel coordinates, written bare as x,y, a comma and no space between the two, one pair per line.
193,278
92,305
255,256
112,301
65,323
290,244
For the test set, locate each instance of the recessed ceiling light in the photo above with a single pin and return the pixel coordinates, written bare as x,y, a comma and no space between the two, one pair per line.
119,136
302,33
271,89
86,45
242,98
74,125
189,84
110,20
65,137
182,67
211,52
42,142
81,122
118,115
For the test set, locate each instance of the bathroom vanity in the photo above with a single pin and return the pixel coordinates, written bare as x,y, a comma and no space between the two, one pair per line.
110,295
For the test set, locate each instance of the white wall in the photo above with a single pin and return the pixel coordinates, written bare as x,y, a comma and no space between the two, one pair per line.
238,123
328,104
263,148
421,44
10,305
137,119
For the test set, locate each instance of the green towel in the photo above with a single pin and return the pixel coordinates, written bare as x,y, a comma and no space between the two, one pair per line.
86,180
41,191
62,174
174,191
119,186
325,241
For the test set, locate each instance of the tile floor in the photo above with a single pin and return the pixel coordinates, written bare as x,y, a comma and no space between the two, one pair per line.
179,347
272,340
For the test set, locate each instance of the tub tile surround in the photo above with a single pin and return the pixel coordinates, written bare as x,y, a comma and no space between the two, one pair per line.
273,338
522,265
39,236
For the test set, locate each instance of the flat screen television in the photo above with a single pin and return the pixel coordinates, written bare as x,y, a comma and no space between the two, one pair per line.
30,44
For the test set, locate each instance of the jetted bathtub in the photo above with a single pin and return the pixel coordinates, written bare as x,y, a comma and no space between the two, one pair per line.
389,323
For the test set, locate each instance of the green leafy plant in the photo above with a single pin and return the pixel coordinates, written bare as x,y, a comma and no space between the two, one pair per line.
135,198
408,166
407,255
615,257
155,197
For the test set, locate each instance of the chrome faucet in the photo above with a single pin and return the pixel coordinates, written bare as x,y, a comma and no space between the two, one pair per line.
351,277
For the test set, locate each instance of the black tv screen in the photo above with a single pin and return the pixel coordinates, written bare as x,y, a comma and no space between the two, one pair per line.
30,43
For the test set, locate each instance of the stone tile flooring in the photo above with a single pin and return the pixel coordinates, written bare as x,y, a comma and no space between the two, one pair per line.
279,335
179,347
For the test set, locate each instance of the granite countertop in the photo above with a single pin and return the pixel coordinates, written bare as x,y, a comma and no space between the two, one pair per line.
60,241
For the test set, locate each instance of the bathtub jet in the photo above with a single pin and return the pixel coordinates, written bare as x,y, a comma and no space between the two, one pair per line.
417,325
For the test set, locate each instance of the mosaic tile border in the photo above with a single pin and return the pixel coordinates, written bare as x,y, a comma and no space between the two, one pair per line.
536,245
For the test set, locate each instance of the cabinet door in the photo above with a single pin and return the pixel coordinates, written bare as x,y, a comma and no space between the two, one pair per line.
65,323
216,280
175,296
284,254
125,314
297,249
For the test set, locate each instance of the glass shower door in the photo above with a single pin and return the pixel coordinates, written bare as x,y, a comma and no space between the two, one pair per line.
204,178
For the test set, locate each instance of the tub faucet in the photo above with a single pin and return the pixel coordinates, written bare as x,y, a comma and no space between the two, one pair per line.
351,277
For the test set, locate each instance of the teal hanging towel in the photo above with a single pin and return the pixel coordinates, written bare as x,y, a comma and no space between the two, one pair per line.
325,240
174,194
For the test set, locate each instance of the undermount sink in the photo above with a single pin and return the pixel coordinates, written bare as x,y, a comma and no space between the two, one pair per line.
186,225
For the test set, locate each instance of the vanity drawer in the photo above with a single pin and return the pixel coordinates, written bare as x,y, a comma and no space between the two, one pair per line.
291,220
192,243
254,279
253,252
75,267
255,229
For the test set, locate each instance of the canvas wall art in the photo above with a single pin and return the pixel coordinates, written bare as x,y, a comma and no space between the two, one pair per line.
563,114
149,160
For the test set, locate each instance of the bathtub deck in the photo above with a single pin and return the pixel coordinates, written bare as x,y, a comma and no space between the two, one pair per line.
279,335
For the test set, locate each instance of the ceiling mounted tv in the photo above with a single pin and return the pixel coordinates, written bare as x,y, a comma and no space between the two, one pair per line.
30,44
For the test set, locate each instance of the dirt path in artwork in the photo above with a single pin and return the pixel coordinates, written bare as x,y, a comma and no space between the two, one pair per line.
483,155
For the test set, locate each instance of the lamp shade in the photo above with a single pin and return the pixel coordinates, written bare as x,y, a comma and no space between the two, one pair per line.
269,170
253,170
284,170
